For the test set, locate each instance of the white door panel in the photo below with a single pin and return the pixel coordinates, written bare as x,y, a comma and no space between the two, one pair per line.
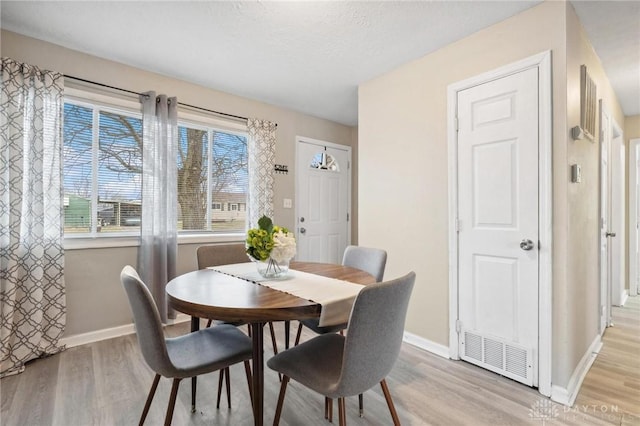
322,202
497,210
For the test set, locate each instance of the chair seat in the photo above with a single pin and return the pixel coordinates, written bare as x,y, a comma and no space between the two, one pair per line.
207,350
313,324
316,363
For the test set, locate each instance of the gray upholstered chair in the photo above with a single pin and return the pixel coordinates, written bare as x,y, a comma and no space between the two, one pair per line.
371,260
225,254
337,366
221,254
180,357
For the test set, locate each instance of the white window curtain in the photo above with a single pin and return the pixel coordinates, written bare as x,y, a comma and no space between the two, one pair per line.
262,154
33,307
159,235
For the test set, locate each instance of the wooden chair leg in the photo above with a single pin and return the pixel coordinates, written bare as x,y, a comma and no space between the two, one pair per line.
147,404
392,408
172,402
273,339
247,370
287,333
274,344
283,389
209,323
298,334
227,378
361,405
328,409
342,418
194,387
220,382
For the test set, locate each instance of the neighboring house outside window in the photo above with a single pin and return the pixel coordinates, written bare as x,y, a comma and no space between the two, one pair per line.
102,163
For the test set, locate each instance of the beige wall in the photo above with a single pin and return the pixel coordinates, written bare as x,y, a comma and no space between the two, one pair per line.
95,299
580,319
403,152
631,127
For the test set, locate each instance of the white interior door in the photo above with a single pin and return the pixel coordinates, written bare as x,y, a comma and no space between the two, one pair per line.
322,200
634,216
618,216
612,216
605,203
498,238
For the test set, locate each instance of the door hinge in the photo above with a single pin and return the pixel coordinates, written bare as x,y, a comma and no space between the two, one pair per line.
455,123
458,326
458,225
347,217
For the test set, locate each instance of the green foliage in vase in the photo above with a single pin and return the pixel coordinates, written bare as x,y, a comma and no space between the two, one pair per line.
260,240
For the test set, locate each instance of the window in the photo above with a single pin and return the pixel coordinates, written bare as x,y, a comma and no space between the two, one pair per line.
102,164
324,161
212,171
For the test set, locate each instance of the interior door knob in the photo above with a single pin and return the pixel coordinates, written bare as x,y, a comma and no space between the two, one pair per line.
526,245
302,230
610,234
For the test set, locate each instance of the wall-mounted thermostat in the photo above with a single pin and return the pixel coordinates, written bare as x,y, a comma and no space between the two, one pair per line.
576,173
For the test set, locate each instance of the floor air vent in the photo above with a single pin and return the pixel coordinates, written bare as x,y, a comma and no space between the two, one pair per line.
506,358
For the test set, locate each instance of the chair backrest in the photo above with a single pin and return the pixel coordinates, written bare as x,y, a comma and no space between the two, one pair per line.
221,254
376,328
371,260
147,321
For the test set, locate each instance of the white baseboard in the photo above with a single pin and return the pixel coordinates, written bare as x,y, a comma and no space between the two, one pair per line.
567,396
109,333
426,344
625,296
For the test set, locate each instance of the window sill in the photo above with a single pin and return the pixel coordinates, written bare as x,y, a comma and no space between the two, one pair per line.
79,243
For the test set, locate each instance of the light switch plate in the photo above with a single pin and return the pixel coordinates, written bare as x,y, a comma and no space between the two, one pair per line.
287,203
576,173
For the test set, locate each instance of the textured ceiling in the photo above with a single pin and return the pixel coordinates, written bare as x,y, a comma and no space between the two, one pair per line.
308,56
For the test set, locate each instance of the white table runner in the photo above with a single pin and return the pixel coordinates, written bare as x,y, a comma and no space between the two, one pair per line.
335,296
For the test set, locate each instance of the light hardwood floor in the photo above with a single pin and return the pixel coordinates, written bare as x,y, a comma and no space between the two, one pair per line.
106,383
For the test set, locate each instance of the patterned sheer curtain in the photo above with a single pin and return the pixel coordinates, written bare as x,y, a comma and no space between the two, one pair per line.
33,308
262,155
159,235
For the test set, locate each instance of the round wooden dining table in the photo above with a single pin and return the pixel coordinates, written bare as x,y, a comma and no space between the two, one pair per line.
213,295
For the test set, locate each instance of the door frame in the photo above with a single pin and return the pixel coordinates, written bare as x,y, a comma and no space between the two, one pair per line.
634,158
542,62
349,149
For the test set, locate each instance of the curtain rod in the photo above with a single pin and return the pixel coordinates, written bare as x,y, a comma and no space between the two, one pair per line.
238,117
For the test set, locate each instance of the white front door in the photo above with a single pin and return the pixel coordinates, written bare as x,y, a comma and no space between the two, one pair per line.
322,200
498,238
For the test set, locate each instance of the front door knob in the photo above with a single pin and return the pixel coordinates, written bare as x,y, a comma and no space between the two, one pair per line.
302,230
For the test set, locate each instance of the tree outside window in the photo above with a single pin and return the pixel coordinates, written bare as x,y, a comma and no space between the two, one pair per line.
103,164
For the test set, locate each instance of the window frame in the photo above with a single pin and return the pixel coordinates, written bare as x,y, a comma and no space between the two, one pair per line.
106,100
